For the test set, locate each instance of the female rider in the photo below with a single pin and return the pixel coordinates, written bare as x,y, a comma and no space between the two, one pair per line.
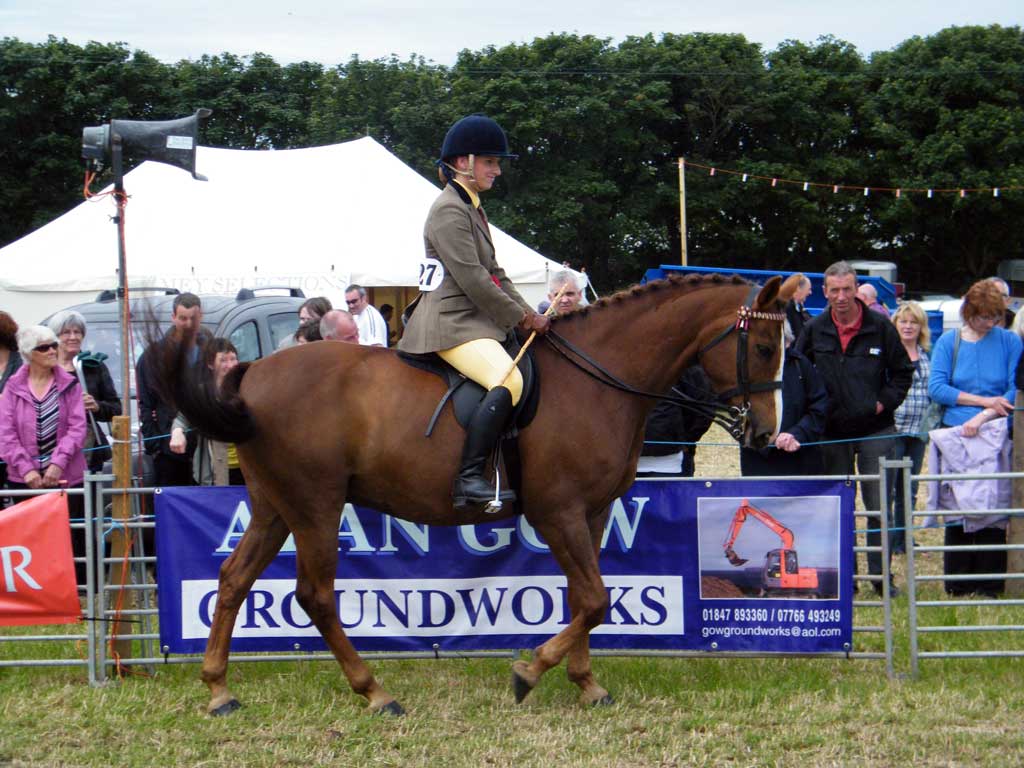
467,306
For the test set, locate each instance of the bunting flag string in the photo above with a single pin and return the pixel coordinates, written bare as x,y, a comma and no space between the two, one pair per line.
899,192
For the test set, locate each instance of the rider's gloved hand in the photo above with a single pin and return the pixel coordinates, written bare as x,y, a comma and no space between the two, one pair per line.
533,322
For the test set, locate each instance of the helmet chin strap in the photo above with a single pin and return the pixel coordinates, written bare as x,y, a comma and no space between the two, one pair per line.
469,173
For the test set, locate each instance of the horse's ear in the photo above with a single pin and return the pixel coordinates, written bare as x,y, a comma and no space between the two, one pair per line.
789,287
769,294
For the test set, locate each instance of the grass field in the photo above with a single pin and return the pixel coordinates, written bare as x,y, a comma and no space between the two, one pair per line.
669,712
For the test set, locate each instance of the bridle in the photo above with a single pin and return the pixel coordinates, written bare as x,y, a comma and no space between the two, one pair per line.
732,418
744,315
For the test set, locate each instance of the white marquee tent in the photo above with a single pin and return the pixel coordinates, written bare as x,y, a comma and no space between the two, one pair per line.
318,219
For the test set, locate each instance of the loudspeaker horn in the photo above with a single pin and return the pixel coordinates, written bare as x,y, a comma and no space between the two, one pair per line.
166,141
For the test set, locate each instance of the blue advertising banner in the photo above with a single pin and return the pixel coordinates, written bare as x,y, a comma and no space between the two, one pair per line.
689,565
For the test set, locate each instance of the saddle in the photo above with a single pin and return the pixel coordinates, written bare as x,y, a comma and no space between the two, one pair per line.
465,394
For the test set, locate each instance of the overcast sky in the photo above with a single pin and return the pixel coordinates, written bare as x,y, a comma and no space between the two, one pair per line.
331,31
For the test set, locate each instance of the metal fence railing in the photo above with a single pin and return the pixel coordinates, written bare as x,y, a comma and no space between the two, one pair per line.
123,592
931,596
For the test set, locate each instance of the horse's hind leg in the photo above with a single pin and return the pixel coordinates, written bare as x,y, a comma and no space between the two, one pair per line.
579,670
259,544
317,565
569,537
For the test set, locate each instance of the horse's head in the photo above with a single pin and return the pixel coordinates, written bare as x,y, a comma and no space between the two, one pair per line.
743,352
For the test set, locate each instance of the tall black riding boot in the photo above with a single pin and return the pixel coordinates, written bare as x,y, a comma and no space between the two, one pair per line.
482,433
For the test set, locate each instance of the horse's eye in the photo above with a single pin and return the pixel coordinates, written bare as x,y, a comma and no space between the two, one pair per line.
764,351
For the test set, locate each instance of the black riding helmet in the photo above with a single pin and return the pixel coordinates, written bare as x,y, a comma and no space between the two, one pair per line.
475,135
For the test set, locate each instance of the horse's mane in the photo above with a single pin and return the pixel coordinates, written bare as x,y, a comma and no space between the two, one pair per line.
683,283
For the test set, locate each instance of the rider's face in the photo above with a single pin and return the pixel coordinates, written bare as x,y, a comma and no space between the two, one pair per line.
485,170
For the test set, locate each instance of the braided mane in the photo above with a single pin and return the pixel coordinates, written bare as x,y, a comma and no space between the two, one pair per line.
685,283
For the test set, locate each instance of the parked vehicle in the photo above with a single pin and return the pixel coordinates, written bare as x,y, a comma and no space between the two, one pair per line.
254,323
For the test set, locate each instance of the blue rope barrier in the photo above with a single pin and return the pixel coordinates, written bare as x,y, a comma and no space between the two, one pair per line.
893,436
905,528
101,447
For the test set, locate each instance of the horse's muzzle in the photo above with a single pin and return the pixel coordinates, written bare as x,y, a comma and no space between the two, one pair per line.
757,438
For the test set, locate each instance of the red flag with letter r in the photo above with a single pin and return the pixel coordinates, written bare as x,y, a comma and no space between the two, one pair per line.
37,568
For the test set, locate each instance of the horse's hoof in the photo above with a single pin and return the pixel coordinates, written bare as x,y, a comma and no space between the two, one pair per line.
226,708
604,701
520,685
392,708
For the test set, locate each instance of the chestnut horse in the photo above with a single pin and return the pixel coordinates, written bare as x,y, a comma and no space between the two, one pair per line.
327,423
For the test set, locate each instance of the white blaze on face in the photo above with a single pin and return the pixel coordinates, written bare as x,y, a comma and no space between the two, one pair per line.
778,377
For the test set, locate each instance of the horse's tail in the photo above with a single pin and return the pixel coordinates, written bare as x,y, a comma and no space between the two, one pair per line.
220,414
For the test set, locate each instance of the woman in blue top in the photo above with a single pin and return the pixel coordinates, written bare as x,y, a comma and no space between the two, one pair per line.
979,389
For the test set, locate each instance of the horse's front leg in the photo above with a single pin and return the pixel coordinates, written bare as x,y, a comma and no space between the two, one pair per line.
569,538
259,544
579,670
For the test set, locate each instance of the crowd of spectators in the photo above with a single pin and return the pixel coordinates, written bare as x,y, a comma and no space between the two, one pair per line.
57,400
860,385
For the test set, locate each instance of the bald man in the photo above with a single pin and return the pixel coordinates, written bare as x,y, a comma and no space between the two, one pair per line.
339,325
866,292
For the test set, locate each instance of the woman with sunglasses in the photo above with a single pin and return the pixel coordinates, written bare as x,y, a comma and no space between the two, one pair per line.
42,425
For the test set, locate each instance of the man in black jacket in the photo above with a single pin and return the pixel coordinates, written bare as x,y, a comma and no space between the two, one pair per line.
867,374
804,410
156,416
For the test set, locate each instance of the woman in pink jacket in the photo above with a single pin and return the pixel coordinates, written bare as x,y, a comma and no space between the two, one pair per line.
42,425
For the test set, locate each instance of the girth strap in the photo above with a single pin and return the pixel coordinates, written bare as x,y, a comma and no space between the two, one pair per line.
440,406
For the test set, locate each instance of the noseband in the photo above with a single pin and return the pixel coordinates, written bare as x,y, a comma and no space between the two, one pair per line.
730,417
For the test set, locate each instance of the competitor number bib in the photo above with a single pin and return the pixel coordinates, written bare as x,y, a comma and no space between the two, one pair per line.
431,274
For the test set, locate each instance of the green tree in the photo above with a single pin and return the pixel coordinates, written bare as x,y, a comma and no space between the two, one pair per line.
710,82
807,126
585,184
50,92
401,104
256,103
947,111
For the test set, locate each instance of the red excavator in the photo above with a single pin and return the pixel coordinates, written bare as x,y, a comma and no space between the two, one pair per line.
781,572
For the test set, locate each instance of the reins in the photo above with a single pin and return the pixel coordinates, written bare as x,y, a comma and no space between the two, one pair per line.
730,417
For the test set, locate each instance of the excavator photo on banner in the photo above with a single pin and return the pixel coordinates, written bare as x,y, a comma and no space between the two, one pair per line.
780,573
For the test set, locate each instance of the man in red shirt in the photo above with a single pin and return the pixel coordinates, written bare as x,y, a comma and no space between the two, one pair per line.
867,374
